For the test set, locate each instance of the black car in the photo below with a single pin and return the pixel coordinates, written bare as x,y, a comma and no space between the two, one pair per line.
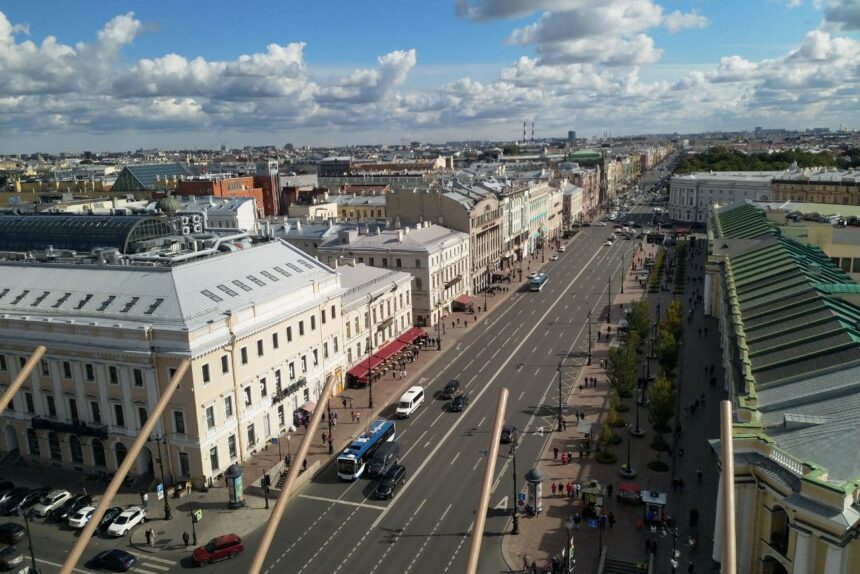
395,476
116,560
459,403
11,533
6,485
451,389
28,501
72,505
509,434
10,505
108,517
5,493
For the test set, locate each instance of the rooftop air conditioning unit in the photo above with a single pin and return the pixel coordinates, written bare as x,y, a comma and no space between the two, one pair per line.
198,228
186,230
196,218
184,220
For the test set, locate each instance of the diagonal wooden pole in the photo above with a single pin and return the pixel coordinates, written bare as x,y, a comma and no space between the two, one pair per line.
28,367
122,471
727,456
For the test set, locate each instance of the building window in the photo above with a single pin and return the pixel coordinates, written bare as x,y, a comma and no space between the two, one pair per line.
301,328
274,340
213,458
138,378
73,410
119,415
142,415
325,350
289,334
90,372
243,352
348,330
67,370
349,356
43,364
259,347
333,312
399,263
52,408
210,417
28,402
248,396
179,422
370,261
113,375
313,322
323,316
263,392
252,440
304,364
228,407
231,446
225,364
292,370
206,377
385,262
281,421
417,264
96,411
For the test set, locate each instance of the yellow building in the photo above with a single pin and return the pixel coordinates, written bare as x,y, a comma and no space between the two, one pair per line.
821,185
791,350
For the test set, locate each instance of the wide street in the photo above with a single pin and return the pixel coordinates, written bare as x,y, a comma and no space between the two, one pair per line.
337,527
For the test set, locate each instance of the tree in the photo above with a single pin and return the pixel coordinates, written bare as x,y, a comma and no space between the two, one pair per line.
639,319
622,369
661,405
667,349
673,318
607,436
511,149
612,418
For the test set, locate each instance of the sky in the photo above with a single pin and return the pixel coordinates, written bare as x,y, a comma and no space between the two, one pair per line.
122,75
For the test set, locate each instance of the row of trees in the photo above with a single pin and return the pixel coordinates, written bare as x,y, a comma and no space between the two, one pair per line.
721,158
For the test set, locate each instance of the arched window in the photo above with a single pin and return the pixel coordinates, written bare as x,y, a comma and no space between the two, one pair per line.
33,443
121,451
99,453
77,451
54,445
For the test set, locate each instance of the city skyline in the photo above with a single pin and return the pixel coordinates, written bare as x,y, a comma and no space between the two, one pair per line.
145,75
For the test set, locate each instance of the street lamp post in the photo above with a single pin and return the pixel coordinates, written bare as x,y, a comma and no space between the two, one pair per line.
560,416
608,299
328,413
34,569
622,274
194,526
515,527
489,284
370,299
627,471
638,432
588,362
158,439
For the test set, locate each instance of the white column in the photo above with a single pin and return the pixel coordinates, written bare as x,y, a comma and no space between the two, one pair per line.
801,552
716,551
834,563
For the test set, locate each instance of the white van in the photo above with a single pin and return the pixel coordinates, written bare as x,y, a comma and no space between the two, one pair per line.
561,249
409,402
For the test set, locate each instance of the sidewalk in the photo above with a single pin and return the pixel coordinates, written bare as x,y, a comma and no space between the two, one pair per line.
544,536
217,518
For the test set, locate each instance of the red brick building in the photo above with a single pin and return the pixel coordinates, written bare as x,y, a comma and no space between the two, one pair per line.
229,186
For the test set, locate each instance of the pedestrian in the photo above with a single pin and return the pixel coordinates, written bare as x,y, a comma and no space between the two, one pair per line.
611,520
343,402
305,464
563,425
609,489
580,390
555,453
602,521
185,538
564,458
324,436
569,488
335,418
576,520
358,417
151,537
577,489
553,487
144,499
148,538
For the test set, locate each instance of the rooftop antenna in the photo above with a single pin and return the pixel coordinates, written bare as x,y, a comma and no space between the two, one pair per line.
533,132
524,132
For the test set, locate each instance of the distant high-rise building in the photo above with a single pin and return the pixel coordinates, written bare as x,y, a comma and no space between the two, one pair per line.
571,137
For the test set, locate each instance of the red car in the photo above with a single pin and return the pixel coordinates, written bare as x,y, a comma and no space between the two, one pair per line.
220,548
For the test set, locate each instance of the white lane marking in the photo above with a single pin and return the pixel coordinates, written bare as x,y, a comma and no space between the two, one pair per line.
472,380
455,458
537,371
469,364
157,566
486,386
485,364
477,462
427,539
347,502
534,350
419,438
139,569
397,536
521,396
436,420
482,422
157,559
493,356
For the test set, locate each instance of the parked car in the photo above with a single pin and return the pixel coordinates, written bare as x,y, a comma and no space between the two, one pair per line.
130,517
69,507
51,501
220,548
509,434
10,505
554,258
459,403
116,560
5,493
80,517
108,517
10,557
30,499
600,224
451,389
395,476
11,533
607,244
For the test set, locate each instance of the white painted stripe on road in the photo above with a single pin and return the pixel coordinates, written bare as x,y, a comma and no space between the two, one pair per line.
519,398
162,560
477,462
486,386
419,438
347,502
139,569
157,566
534,350
469,364
436,420
485,364
482,422
537,371
456,456
472,380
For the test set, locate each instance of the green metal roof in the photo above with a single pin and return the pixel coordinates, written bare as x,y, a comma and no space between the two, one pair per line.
742,221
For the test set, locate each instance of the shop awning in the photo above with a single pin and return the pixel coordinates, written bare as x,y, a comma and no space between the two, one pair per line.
389,349
412,333
361,370
309,407
463,299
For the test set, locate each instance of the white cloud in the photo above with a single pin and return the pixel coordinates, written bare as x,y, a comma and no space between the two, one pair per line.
677,21
841,14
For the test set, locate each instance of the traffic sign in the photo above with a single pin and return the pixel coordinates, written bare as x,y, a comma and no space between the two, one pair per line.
197,515
159,490
521,500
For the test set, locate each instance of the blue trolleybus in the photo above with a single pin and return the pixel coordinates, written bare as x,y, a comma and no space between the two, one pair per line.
537,281
355,458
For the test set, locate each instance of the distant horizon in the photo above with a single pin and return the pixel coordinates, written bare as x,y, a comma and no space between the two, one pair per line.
151,75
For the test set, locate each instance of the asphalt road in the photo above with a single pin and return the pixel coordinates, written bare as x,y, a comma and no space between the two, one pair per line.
337,527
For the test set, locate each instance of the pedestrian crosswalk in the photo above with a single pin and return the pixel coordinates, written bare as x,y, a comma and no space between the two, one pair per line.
147,564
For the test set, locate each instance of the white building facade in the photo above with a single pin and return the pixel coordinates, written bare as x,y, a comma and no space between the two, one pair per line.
690,195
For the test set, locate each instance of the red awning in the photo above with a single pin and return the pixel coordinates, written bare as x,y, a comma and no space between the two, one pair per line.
361,370
411,334
629,486
463,299
389,349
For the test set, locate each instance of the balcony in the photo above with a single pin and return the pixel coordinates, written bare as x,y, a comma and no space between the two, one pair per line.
77,428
